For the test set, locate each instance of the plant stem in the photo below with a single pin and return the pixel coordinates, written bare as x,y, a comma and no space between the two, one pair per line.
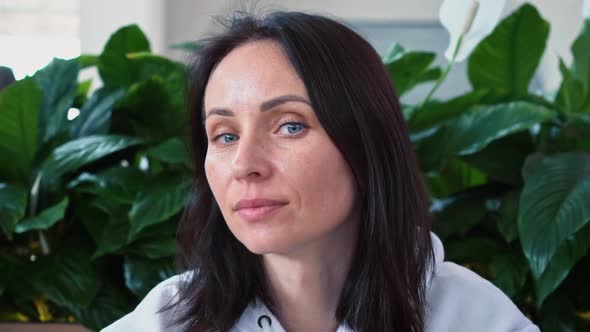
45,249
444,74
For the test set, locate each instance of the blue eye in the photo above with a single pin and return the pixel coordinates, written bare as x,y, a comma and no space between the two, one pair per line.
293,128
227,138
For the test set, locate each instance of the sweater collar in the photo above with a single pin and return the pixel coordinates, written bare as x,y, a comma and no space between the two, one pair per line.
258,318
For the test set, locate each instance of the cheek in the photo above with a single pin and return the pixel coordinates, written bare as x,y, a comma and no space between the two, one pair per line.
217,176
326,184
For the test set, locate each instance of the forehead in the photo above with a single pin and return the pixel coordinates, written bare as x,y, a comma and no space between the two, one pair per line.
252,73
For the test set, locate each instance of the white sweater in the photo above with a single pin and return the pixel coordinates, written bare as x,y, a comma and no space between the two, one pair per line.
458,300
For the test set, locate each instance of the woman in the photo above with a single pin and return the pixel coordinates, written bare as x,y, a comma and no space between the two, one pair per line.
310,212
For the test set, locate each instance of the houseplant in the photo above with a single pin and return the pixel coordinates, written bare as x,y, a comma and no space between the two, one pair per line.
88,206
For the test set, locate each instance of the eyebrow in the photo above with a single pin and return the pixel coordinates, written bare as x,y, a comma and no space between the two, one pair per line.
265,106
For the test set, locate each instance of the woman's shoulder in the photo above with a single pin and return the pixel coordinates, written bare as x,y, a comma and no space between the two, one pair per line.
148,316
460,300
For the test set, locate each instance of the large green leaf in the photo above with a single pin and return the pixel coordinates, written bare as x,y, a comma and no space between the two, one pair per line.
113,237
502,159
581,55
475,129
508,215
45,219
119,184
88,60
19,112
13,202
68,277
153,109
59,83
74,154
95,115
114,66
578,126
436,113
572,95
457,214
553,205
153,248
172,151
510,272
408,69
110,304
149,65
568,254
508,58
558,314
455,176
141,274
165,196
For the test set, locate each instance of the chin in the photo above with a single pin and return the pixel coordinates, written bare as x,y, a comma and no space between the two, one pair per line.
268,246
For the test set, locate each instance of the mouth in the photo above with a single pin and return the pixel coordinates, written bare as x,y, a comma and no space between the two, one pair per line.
258,209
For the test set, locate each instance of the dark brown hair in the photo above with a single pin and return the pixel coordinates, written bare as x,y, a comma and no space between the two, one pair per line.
354,100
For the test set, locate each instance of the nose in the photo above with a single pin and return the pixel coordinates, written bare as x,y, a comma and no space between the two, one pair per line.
251,159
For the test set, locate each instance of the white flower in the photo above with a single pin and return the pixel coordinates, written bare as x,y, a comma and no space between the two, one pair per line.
472,20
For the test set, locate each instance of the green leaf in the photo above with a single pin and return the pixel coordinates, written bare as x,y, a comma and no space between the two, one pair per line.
558,314
113,237
82,91
508,215
154,247
141,274
553,205
455,176
571,96
110,304
119,184
172,151
568,254
165,196
578,126
510,271
502,159
581,55
150,65
457,214
68,277
95,115
436,113
408,69
74,154
19,111
475,129
45,219
508,58
88,60
13,202
152,110
59,84
114,66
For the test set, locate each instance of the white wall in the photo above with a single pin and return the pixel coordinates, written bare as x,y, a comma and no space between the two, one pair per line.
100,18
189,19
168,22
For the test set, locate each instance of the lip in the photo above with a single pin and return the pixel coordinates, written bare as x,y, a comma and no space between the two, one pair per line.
257,208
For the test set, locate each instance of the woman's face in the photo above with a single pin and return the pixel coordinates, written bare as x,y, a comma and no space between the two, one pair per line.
280,182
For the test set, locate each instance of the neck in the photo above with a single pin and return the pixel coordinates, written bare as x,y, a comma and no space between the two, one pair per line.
305,284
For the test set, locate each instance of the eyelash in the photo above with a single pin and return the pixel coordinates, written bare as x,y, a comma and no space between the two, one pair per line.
303,125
